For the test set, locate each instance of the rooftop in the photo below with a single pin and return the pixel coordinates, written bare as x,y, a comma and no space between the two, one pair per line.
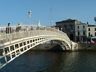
68,20
91,25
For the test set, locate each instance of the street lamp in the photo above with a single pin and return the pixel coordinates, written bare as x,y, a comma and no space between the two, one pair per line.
29,14
51,23
31,19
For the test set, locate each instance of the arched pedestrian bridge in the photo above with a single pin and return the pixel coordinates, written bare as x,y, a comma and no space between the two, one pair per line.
18,41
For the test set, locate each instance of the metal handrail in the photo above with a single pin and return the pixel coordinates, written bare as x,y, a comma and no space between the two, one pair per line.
27,31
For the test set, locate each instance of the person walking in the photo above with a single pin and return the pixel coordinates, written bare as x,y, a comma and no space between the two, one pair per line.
8,28
18,28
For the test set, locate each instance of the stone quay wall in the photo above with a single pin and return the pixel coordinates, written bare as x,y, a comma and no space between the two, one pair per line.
87,46
75,47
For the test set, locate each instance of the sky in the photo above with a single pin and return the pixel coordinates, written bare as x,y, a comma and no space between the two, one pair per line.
16,11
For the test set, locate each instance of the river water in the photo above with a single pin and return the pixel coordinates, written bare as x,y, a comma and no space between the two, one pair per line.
47,61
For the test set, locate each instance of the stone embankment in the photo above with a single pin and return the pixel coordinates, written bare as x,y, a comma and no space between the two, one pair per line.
83,46
74,47
87,46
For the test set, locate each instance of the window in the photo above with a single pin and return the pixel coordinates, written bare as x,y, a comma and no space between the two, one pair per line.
88,29
83,32
95,33
65,27
78,27
78,33
95,29
71,27
89,34
83,26
59,27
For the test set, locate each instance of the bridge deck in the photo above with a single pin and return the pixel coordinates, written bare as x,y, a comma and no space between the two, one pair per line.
14,43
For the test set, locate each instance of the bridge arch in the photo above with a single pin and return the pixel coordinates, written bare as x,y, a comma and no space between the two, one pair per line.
15,44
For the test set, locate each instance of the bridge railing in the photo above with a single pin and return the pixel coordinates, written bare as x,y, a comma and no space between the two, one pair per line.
8,34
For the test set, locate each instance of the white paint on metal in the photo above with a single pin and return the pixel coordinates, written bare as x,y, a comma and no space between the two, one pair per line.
16,43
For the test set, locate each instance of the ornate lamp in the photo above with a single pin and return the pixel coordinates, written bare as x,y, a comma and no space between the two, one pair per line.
29,14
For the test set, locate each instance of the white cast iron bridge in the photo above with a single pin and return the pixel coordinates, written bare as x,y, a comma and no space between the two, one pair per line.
17,42
14,43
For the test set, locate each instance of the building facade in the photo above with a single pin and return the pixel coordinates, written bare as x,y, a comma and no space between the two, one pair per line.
76,30
68,26
81,32
91,30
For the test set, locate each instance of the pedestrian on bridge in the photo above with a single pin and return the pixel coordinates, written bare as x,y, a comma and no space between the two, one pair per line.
31,28
26,28
8,28
18,28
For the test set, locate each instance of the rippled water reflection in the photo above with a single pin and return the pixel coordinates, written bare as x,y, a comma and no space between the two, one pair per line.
42,61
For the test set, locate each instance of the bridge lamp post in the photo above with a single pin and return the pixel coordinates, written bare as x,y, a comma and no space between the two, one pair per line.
29,14
51,23
39,23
